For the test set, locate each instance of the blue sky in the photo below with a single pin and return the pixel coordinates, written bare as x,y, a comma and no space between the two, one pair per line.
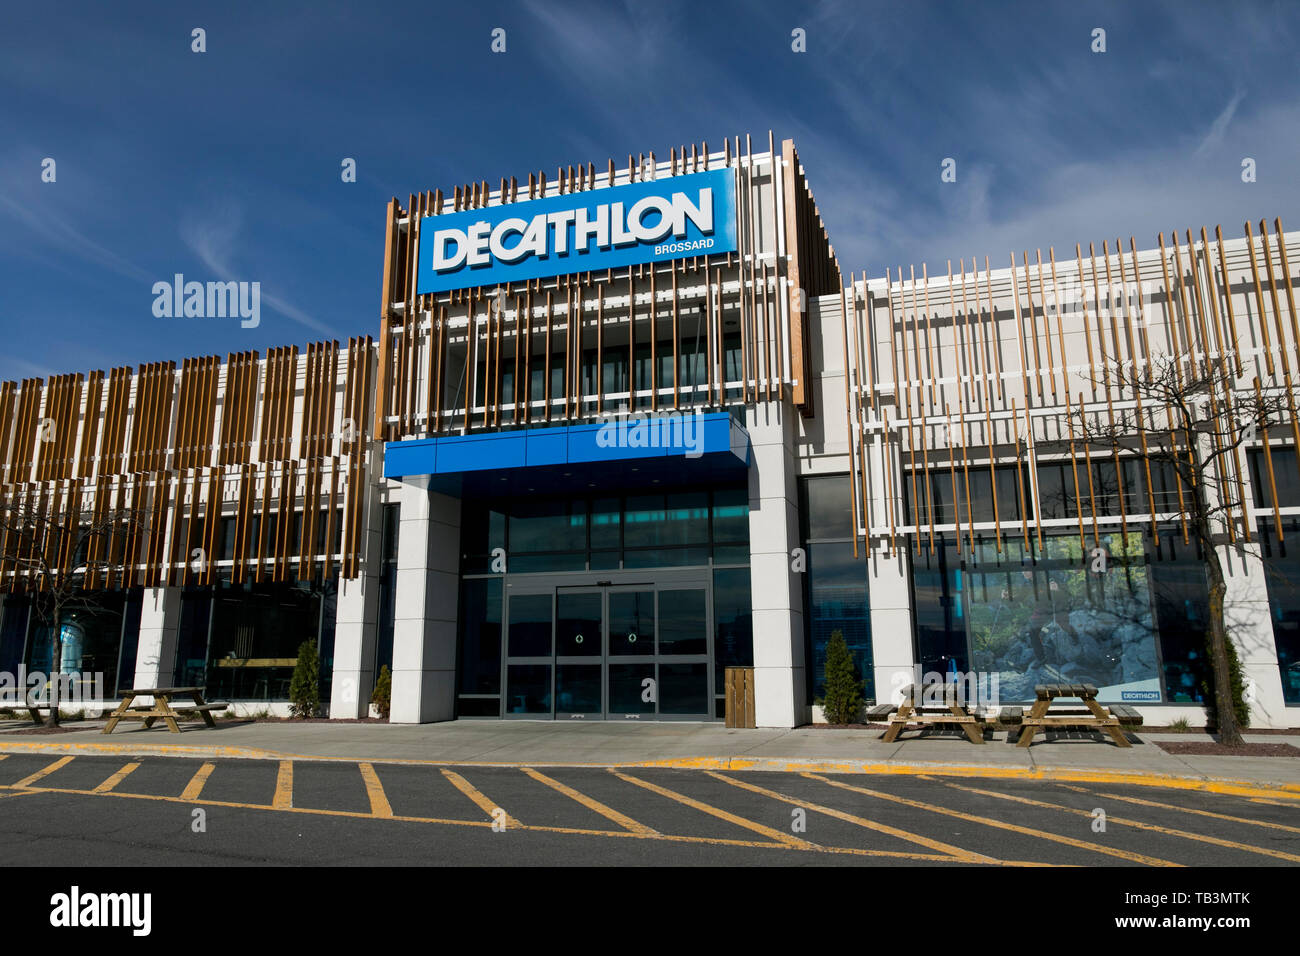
225,165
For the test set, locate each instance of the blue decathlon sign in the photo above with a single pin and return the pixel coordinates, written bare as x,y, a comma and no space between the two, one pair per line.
671,218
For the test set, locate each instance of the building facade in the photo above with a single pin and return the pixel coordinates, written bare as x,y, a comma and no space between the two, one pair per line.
625,428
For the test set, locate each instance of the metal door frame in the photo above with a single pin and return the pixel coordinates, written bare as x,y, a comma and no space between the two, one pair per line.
656,579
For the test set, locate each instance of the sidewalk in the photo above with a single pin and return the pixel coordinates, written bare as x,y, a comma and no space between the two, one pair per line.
686,745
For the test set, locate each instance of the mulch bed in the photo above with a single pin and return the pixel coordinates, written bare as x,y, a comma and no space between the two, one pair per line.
48,730
1210,749
301,720
843,727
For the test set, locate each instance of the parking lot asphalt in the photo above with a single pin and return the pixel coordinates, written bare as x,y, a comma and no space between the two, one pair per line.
77,809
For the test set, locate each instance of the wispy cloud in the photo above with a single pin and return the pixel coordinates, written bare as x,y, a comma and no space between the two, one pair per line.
213,239
61,242
1219,127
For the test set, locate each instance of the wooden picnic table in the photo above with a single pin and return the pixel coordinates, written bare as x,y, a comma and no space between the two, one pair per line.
1046,713
952,712
162,708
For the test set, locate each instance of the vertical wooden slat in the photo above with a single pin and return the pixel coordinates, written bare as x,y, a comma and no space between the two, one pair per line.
654,344
546,384
631,339
1137,394
993,329
1047,325
1268,463
1033,329
1020,331
1259,302
1022,498
1101,333
1060,328
848,417
710,347
930,345
1227,298
677,398
1087,328
800,391
1171,313
1272,293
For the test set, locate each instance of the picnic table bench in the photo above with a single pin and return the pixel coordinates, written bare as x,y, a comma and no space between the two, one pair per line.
1046,713
33,708
953,712
162,707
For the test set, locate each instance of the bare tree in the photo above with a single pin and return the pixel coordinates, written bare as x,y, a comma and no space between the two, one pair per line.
1195,418
55,551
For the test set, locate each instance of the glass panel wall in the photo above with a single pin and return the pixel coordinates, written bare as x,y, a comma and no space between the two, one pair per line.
387,586
1282,576
241,641
1056,492
92,634
1133,624
706,528
835,584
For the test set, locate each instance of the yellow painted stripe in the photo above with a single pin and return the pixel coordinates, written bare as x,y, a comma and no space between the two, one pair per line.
626,822
195,786
379,806
483,803
1200,813
29,780
21,793
1000,824
284,786
955,852
1138,824
759,828
573,831
117,778
1233,787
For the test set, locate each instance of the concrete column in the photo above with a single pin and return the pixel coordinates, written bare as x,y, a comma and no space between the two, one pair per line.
1250,627
424,627
777,591
1246,614
356,624
155,656
889,589
889,586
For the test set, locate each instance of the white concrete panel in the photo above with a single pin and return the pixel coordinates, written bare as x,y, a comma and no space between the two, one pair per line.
772,584
778,696
424,632
155,659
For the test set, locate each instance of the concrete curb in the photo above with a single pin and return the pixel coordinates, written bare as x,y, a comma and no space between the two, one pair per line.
1206,784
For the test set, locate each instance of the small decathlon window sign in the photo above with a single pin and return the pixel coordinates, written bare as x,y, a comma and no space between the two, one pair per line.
671,218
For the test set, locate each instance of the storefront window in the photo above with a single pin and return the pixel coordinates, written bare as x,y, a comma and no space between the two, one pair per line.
1282,576
1123,614
835,581
241,642
387,587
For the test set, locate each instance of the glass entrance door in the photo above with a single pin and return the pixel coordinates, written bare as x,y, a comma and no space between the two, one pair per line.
632,676
529,654
579,652
582,649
